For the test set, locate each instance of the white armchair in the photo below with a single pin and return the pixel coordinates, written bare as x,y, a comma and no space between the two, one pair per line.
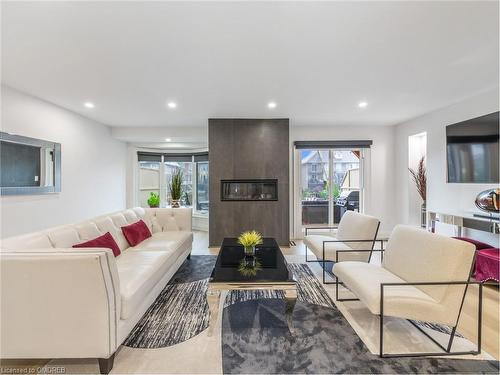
424,276
355,232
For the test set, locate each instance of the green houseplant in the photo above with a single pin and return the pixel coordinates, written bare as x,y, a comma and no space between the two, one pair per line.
249,240
154,200
176,189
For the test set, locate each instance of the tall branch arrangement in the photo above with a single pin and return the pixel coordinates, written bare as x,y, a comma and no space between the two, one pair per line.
420,178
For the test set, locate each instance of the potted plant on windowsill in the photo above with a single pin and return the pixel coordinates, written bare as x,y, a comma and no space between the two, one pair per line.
154,200
176,189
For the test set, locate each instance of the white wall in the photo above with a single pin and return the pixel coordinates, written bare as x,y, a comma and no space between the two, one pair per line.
441,196
379,166
93,166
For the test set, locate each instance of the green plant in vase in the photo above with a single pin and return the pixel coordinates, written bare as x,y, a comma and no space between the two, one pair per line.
176,189
154,200
249,240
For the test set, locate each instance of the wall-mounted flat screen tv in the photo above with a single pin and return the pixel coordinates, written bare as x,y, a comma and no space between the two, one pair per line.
472,150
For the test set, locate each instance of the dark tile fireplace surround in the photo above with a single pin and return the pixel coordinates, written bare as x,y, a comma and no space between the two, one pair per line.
249,178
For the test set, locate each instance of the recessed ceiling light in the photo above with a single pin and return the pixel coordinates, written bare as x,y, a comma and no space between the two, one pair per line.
271,105
172,105
167,139
362,104
89,105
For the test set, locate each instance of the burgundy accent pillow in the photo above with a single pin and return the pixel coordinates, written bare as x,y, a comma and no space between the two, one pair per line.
479,245
136,233
106,240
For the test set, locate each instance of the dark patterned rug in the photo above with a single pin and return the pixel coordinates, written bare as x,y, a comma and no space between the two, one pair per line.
255,334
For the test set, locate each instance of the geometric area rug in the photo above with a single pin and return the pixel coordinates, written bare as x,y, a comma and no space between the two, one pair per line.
181,310
255,334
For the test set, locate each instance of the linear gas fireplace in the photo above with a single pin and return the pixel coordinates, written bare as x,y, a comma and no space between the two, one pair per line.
249,190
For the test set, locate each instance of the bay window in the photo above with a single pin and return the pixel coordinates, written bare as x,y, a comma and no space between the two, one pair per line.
155,175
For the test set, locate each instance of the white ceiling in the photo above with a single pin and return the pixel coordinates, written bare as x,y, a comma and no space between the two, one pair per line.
315,60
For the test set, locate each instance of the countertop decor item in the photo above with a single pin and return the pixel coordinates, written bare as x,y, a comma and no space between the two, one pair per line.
176,189
249,240
420,178
489,200
154,200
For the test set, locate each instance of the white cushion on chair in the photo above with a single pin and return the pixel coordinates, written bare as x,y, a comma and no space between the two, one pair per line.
417,255
409,302
315,243
356,226
352,226
413,255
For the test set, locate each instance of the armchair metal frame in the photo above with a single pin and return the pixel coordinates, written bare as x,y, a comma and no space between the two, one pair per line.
446,351
316,228
323,260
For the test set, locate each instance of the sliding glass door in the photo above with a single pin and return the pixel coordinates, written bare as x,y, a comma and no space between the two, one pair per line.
329,184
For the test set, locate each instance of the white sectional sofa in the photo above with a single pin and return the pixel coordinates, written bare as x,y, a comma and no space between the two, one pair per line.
63,302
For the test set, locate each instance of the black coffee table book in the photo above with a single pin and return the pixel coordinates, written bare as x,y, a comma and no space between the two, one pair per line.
272,274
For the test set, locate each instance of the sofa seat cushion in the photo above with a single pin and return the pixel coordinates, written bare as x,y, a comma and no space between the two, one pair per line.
173,240
315,243
139,272
364,280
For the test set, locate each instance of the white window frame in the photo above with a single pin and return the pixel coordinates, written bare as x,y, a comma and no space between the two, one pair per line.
364,158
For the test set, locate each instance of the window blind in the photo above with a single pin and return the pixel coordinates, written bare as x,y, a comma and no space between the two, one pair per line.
202,156
179,157
149,156
332,144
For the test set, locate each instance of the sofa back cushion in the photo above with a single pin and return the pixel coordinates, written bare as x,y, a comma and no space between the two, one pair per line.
31,241
65,236
106,241
174,219
416,255
136,233
130,216
356,226
140,212
88,230
106,225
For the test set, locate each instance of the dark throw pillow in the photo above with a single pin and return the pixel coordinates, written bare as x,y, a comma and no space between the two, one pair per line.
106,241
136,233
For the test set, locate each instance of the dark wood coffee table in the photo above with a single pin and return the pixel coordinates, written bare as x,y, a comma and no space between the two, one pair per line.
272,273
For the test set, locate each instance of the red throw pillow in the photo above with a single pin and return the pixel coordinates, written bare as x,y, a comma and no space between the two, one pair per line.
106,240
136,233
